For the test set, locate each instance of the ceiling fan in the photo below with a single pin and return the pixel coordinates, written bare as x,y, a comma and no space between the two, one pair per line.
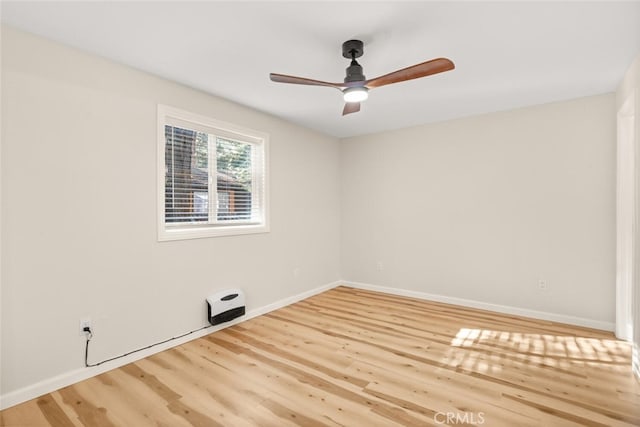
356,87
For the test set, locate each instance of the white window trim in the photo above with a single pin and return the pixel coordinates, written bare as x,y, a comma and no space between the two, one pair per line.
171,114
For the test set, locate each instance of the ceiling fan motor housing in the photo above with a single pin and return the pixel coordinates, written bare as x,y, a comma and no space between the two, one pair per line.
354,73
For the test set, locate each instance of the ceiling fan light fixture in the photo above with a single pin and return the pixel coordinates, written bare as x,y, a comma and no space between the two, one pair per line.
356,94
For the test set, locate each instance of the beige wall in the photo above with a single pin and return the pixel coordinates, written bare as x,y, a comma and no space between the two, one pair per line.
79,213
482,208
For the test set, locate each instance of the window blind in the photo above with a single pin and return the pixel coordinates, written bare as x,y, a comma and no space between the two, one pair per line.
211,179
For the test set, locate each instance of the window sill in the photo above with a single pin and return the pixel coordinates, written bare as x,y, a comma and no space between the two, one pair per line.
169,234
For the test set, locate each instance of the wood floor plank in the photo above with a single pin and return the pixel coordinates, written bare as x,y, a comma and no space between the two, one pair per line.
300,382
237,400
350,357
26,415
277,388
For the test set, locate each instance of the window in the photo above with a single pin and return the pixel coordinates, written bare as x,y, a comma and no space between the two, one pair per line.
211,177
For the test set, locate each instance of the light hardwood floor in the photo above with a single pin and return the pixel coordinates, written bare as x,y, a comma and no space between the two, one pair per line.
349,357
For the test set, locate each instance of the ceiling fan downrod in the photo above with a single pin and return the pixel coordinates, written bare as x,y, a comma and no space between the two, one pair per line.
352,49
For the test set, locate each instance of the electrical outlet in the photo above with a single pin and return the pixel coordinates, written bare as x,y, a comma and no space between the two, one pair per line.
379,265
85,322
296,272
543,285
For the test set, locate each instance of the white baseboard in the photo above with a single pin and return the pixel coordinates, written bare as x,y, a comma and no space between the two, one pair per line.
51,384
543,315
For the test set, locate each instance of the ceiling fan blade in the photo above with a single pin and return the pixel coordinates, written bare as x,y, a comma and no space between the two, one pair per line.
282,78
424,69
351,107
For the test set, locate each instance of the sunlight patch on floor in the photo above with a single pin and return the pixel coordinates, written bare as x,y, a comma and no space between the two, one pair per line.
544,345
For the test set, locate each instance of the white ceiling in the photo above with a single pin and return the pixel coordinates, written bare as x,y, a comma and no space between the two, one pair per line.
507,54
